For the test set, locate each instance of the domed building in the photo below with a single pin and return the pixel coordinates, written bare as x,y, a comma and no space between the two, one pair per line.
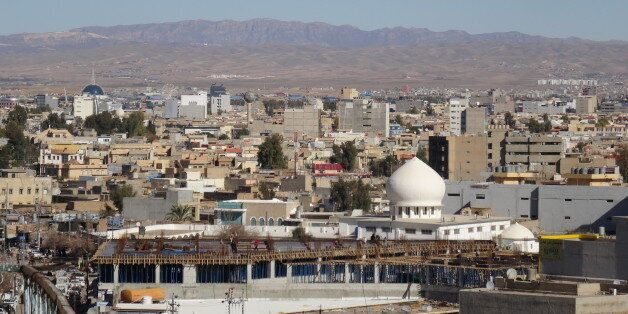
416,193
519,239
93,89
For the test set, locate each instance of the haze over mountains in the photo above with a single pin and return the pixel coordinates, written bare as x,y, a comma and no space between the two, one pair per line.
316,54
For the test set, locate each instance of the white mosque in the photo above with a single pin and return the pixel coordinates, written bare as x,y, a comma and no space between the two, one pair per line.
416,193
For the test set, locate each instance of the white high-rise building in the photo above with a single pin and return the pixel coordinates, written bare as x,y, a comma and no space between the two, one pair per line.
84,106
220,103
456,107
193,106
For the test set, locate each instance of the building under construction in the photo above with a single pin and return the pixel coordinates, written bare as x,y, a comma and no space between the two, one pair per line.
198,268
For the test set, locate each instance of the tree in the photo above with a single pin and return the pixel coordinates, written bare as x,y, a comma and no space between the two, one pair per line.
103,123
18,115
413,110
349,195
223,137
54,121
239,133
580,146
622,160
266,191
421,153
383,167
180,213
345,154
535,127
134,124
270,154
509,120
602,122
565,119
119,193
19,151
271,104
300,234
399,120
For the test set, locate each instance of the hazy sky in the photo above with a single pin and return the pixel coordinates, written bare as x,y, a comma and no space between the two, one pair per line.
592,19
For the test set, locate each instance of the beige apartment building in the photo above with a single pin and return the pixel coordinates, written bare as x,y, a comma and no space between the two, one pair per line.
586,104
459,158
18,187
540,153
303,121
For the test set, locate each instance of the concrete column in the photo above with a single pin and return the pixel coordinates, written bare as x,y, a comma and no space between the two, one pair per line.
189,273
157,273
289,273
376,272
318,268
116,272
347,273
271,269
249,273
361,273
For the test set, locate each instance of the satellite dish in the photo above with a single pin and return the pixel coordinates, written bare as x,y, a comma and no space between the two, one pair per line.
511,273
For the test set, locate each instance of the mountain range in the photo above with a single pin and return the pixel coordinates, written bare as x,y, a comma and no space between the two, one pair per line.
314,54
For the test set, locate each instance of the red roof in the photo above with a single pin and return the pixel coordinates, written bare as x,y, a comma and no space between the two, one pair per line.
323,167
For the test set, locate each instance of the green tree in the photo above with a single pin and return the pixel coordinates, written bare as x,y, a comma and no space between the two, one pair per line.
239,133
622,160
421,153
565,119
399,120
266,191
134,124
349,195
19,151
223,137
103,123
119,193
383,167
180,213
54,121
18,115
270,154
602,122
345,154
509,120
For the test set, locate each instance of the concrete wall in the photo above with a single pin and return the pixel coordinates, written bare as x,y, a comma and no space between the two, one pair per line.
559,208
595,259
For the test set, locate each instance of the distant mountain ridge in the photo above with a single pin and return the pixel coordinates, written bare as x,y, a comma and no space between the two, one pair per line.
264,32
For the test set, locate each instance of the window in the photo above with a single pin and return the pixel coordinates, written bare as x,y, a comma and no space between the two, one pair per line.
400,211
424,211
408,211
37,191
478,229
567,217
262,221
371,229
21,191
385,229
567,200
410,231
28,191
609,201
279,221
456,231
525,198
470,230
480,196
493,228
253,221
10,191
271,221
426,231
432,211
502,227
446,232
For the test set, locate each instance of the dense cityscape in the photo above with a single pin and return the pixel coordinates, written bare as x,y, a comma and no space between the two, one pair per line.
232,195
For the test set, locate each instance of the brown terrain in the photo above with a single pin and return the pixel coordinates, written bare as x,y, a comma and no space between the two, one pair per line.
269,53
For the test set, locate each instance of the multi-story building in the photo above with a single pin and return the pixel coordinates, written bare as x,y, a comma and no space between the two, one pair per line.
349,93
171,109
47,100
220,103
459,158
303,121
193,106
614,107
456,107
364,115
21,187
84,106
496,145
536,152
586,104
541,107
473,120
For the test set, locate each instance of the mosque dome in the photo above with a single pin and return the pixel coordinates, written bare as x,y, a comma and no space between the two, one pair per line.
517,232
415,184
93,89
120,113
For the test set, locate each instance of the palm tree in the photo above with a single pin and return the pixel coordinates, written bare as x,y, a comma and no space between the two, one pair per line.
180,213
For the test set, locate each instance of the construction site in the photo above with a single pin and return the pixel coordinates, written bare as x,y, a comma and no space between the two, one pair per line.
198,268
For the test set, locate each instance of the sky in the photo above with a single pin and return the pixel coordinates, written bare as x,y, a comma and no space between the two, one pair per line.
589,19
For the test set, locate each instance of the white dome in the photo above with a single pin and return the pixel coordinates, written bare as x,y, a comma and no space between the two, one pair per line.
120,113
415,184
517,232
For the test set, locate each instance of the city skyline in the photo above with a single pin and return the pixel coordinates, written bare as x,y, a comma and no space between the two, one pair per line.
562,19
